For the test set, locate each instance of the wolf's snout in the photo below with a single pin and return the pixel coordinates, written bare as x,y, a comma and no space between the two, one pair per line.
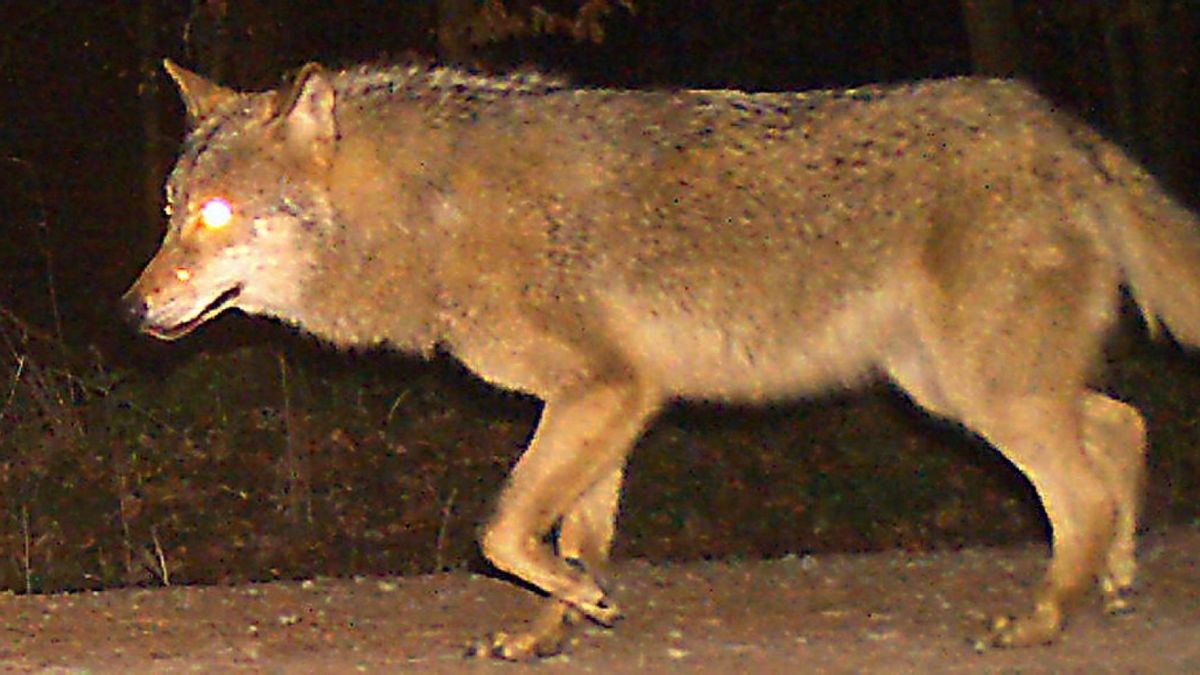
133,308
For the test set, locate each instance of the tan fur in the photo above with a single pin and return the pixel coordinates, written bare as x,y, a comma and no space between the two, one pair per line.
608,251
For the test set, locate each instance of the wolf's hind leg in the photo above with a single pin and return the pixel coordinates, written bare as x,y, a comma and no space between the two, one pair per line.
1043,436
1114,436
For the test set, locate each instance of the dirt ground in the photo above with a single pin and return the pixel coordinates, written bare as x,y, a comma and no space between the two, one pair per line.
886,612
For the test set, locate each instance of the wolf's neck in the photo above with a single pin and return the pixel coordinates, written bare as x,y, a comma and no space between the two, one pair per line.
375,271
371,283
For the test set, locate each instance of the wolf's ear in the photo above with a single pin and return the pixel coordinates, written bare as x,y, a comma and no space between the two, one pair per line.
201,96
306,115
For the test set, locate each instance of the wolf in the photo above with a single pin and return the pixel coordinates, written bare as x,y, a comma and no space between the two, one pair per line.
608,251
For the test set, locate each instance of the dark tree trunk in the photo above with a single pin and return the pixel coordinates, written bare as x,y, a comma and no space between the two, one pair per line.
454,18
150,106
1155,39
995,39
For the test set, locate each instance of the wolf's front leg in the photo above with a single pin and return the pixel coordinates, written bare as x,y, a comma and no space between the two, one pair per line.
571,472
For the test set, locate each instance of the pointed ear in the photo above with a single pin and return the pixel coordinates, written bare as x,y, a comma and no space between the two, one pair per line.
201,96
306,115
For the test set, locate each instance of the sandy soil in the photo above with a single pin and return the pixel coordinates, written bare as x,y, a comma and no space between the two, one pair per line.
888,612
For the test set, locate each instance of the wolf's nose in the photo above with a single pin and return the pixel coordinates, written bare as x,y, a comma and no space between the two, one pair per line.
133,308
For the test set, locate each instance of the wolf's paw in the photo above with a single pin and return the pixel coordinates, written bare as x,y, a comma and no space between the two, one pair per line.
547,635
601,608
604,612
1039,628
1118,600
523,646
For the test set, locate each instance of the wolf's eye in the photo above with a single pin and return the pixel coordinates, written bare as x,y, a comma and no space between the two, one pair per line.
216,213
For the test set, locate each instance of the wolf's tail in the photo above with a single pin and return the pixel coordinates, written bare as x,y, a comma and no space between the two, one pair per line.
1157,243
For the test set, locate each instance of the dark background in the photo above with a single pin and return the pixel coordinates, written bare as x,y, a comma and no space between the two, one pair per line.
250,452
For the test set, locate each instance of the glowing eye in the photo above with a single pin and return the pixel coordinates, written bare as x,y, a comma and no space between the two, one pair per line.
216,213
183,273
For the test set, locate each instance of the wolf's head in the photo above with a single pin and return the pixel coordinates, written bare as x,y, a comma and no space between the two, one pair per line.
245,201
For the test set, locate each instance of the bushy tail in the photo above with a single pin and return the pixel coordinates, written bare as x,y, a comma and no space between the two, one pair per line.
1157,242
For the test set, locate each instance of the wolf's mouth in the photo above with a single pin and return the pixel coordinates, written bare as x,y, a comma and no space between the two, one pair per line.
213,308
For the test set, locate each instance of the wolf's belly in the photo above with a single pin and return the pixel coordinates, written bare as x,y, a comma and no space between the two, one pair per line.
738,354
